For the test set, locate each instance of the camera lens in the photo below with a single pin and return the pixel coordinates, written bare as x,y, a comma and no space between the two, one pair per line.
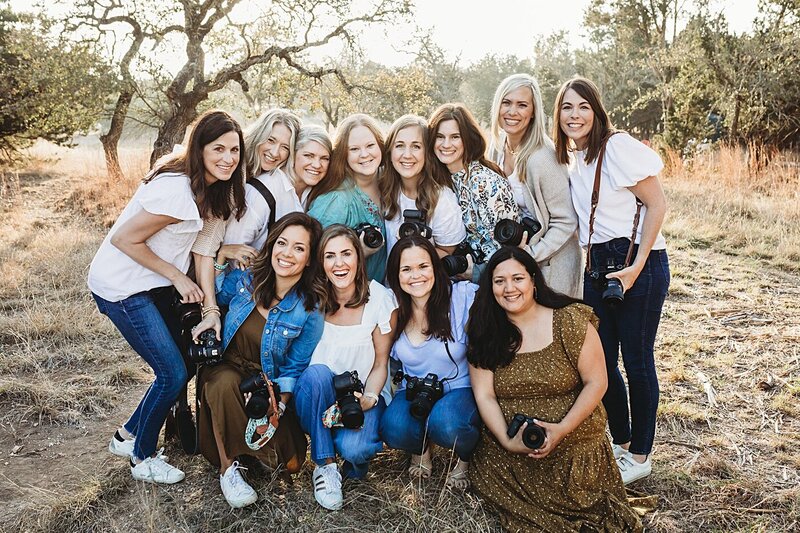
533,436
421,406
455,264
613,294
508,232
258,405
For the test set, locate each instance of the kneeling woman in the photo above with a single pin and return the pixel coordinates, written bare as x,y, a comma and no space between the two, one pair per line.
430,339
358,323
272,326
536,352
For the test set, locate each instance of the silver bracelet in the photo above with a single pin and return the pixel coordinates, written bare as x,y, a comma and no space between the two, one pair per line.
373,396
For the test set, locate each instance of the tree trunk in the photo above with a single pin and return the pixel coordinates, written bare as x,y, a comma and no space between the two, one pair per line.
172,132
110,140
737,105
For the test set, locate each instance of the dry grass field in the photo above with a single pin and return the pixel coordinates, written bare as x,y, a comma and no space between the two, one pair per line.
727,451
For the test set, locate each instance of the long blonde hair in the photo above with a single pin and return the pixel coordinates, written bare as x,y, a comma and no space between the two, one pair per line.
259,131
536,135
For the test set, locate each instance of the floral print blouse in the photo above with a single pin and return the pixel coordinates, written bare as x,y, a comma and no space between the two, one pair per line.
485,198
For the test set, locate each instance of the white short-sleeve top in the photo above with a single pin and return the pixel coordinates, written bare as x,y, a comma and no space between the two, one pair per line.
113,275
345,348
251,229
446,222
627,162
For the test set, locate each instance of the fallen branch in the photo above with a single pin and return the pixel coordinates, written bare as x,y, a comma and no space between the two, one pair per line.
708,388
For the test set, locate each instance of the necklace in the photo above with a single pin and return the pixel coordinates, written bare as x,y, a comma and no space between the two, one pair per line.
511,150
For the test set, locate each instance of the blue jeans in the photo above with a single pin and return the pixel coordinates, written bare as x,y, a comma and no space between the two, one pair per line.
313,394
454,423
631,328
139,319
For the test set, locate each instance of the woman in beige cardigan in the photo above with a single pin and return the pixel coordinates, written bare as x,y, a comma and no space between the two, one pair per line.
521,147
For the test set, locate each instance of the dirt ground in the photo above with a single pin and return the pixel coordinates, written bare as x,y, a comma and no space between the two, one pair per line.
726,455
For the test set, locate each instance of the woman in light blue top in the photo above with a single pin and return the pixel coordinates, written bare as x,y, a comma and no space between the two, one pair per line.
350,194
435,401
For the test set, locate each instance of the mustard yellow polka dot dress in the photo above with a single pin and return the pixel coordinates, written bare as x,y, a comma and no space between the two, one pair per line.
575,488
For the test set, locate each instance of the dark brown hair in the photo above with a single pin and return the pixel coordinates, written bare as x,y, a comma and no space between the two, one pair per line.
471,136
263,286
437,310
328,303
222,198
601,127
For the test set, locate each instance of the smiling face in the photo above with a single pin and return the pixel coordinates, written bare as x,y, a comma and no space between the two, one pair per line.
340,262
311,163
220,157
363,152
576,118
408,152
516,112
291,253
513,287
449,146
275,150
416,272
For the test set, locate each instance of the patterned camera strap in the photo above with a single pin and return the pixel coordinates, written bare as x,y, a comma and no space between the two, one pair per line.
270,421
596,200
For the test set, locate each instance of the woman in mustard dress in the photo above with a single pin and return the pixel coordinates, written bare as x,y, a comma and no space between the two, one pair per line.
536,352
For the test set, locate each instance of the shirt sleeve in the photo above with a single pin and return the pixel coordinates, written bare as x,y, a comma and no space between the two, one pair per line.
447,223
300,350
170,195
210,237
332,208
628,161
494,201
253,223
384,305
461,299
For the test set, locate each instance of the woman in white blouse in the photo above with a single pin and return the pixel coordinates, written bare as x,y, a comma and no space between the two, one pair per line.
408,183
357,337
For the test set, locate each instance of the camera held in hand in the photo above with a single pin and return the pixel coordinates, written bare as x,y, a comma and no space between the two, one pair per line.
414,224
509,232
421,392
456,263
258,406
207,351
532,436
189,314
345,385
372,234
610,288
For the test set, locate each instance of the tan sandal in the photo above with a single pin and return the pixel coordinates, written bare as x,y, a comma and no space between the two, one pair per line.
421,465
458,477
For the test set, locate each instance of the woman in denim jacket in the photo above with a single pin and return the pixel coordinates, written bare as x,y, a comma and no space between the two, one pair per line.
272,326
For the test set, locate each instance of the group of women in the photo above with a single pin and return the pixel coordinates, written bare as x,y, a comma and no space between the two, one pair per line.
300,239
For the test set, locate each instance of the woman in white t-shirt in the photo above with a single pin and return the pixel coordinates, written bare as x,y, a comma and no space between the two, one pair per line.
408,183
357,337
629,171
521,147
145,254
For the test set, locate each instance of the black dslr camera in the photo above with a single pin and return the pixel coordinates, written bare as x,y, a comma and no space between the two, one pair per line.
372,234
189,314
258,406
509,232
421,392
456,263
208,351
611,289
345,385
533,436
414,224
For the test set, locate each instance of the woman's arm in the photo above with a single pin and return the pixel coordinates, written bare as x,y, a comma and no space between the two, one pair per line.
493,201
204,273
131,239
299,353
553,182
651,194
592,369
380,367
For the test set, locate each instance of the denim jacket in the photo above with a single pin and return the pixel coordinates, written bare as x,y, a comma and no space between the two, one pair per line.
290,334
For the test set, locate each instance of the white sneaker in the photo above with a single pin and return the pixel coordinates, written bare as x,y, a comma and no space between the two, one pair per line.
328,486
631,470
619,451
123,447
156,470
235,489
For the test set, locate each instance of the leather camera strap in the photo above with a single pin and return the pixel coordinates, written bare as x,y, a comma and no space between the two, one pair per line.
255,426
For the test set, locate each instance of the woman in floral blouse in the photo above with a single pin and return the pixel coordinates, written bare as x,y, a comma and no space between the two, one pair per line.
483,193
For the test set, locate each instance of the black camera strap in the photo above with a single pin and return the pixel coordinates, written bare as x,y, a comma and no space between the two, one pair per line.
447,349
268,197
596,200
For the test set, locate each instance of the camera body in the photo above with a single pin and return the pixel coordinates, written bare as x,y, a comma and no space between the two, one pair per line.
414,224
258,406
611,289
532,436
509,232
345,385
206,352
422,393
456,263
372,234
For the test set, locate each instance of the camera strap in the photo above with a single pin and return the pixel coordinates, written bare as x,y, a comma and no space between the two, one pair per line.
265,426
447,349
268,197
596,200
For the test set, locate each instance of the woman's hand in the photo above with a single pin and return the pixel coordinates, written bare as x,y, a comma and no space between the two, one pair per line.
627,276
188,289
554,434
211,321
366,402
243,254
367,250
467,274
515,444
